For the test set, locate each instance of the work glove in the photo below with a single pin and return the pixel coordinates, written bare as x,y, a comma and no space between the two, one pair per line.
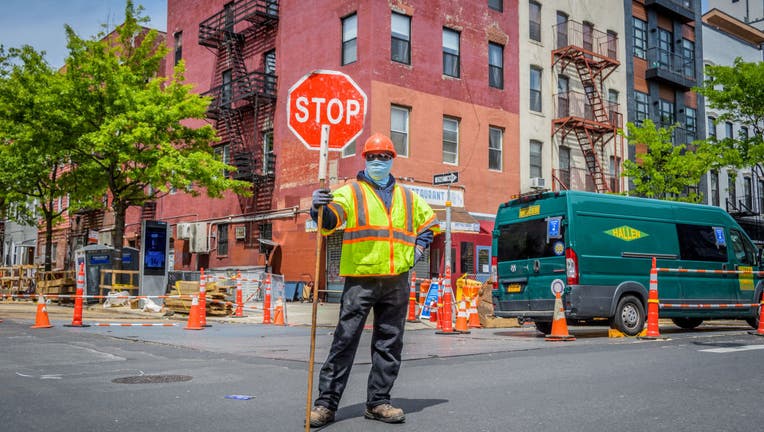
322,197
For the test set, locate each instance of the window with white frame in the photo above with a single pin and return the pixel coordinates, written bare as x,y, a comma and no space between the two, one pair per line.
534,20
714,185
399,129
349,39
450,140
535,158
495,65
495,147
450,53
535,89
400,38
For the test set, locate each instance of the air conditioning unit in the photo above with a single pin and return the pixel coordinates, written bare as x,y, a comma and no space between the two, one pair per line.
183,231
198,241
538,183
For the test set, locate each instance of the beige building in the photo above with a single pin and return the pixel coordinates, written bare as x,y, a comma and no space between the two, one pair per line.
573,95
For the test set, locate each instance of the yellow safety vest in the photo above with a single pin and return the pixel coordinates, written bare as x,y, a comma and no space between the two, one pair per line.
375,242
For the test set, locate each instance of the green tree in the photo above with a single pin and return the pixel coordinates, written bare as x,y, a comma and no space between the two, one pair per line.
36,138
737,92
137,142
664,171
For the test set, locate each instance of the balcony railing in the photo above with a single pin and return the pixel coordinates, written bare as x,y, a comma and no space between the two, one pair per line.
573,34
241,88
669,66
681,135
682,9
221,26
576,104
580,179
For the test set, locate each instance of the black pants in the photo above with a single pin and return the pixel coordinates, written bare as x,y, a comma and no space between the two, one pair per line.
388,296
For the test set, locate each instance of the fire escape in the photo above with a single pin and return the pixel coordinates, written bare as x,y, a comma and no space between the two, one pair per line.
243,91
585,116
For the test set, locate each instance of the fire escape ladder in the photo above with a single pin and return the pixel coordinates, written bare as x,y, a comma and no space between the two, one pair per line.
243,86
240,155
593,96
588,145
149,210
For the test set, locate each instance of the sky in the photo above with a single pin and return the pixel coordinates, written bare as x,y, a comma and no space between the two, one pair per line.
40,23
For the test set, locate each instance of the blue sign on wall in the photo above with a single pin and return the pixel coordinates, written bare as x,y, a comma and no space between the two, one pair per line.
100,259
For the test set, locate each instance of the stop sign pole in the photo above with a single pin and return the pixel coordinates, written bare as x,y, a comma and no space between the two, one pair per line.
325,110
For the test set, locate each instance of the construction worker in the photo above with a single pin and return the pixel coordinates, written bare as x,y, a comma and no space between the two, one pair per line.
387,229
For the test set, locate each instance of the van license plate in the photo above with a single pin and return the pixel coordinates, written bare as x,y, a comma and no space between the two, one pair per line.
514,288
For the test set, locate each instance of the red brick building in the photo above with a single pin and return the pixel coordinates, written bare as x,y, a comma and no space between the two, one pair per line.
441,79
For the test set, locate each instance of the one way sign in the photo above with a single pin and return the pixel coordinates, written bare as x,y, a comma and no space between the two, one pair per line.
447,178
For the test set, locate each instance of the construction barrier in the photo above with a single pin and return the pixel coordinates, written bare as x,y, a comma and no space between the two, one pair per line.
77,316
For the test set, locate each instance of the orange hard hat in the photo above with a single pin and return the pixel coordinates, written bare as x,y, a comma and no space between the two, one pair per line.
378,143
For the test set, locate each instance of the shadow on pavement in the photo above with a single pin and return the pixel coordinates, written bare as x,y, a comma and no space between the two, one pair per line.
408,405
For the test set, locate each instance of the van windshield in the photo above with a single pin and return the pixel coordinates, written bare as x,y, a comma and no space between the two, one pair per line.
528,240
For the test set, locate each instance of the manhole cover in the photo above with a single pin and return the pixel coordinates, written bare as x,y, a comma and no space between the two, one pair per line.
151,379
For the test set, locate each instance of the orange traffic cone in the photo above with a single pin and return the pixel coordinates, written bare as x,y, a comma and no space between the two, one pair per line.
239,298
77,316
760,330
461,318
412,316
474,318
278,313
41,318
193,315
559,324
447,326
653,304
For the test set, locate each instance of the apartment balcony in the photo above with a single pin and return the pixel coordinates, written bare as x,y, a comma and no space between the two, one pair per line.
241,90
581,180
671,68
235,18
575,40
682,10
575,107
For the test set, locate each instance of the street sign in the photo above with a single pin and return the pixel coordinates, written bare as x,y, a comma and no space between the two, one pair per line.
326,98
447,178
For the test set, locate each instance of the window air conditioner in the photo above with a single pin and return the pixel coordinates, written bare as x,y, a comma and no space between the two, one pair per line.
538,183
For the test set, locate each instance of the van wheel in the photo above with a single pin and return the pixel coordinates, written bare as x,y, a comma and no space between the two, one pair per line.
687,323
629,316
754,320
544,327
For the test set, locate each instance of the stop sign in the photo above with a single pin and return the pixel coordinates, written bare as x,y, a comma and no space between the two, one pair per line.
325,97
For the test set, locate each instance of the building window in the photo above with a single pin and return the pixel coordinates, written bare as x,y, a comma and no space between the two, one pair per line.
563,96
222,239
450,140
691,121
349,150
535,96
495,65
640,38
269,67
266,233
226,90
534,20
688,58
496,5
450,53
615,173
399,129
612,44
743,133
728,130
400,38
349,39
223,152
588,36
760,193
612,109
495,148
269,158
535,161
665,48
641,107
711,127
563,163
178,46
748,192
562,29
666,112
732,187
467,261
714,188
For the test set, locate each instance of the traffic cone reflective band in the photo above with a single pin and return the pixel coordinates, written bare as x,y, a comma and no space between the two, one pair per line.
412,300
760,330
203,300
239,298
652,306
77,316
446,312
267,300
41,318
439,322
559,324
193,315
461,318
433,312
278,313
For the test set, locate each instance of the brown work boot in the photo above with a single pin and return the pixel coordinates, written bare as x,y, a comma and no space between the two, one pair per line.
385,413
320,416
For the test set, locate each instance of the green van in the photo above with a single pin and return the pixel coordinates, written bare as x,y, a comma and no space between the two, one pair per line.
601,248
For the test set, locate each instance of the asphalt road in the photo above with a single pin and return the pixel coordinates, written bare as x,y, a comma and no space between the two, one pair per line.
71,379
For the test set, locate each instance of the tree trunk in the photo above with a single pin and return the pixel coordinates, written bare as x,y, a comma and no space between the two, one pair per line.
120,210
48,240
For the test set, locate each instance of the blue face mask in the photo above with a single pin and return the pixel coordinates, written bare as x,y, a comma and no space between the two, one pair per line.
379,171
